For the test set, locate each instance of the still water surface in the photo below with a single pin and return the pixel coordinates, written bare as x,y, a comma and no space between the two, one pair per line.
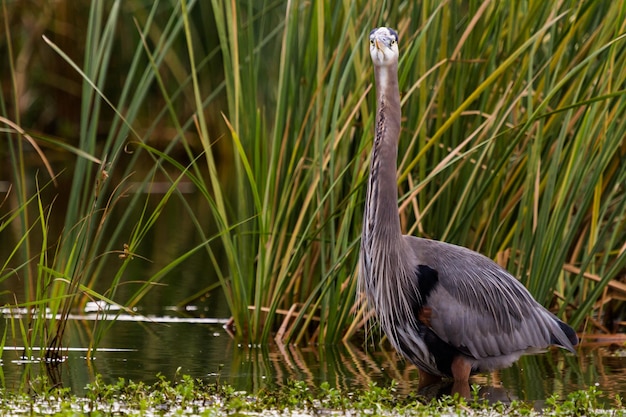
141,350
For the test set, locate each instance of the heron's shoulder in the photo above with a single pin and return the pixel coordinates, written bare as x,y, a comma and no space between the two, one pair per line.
449,259
436,249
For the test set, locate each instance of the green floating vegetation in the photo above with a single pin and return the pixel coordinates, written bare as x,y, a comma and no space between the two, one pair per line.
188,396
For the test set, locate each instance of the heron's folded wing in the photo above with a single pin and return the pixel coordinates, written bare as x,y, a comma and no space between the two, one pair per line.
479,307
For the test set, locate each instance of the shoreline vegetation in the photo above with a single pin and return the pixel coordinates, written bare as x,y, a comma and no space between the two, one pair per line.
187,396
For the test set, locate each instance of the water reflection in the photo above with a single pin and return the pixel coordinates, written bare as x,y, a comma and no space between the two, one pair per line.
139,351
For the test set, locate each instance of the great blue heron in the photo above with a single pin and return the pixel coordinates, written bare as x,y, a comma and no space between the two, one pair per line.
449,310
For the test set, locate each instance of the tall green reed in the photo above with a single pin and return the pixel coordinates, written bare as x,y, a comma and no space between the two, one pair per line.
290,113
503,148
63,272
529,114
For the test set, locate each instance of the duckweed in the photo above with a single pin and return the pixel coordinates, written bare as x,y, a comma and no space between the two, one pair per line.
187,396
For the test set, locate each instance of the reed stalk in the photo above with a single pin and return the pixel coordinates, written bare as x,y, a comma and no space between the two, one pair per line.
511,145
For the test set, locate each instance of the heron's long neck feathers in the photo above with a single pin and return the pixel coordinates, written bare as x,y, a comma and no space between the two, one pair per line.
383,269
381,222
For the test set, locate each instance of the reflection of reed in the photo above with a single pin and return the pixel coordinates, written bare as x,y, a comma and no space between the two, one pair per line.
606,367
343,366
350,368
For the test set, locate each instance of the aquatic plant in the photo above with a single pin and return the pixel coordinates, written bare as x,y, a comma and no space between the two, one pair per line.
188,396
512,145
63,270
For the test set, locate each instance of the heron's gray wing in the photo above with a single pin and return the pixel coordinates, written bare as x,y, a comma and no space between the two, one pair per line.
479,307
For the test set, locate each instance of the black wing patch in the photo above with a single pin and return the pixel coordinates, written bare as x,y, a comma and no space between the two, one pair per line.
427,279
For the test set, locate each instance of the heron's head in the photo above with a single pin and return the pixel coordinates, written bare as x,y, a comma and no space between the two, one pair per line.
384,46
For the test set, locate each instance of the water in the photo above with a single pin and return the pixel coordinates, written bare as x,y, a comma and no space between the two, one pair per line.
172,345
177,342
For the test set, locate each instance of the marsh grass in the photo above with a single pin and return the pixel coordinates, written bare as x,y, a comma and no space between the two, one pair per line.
61,274
512,144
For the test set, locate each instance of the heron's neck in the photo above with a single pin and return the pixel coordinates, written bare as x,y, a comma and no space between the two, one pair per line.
381,222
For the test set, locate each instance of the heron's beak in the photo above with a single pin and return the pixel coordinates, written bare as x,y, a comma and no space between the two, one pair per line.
380,49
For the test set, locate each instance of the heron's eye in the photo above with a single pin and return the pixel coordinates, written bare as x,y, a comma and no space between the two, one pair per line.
372,42
393,42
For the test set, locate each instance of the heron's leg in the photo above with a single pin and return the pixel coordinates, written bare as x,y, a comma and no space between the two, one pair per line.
427,379
461,369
